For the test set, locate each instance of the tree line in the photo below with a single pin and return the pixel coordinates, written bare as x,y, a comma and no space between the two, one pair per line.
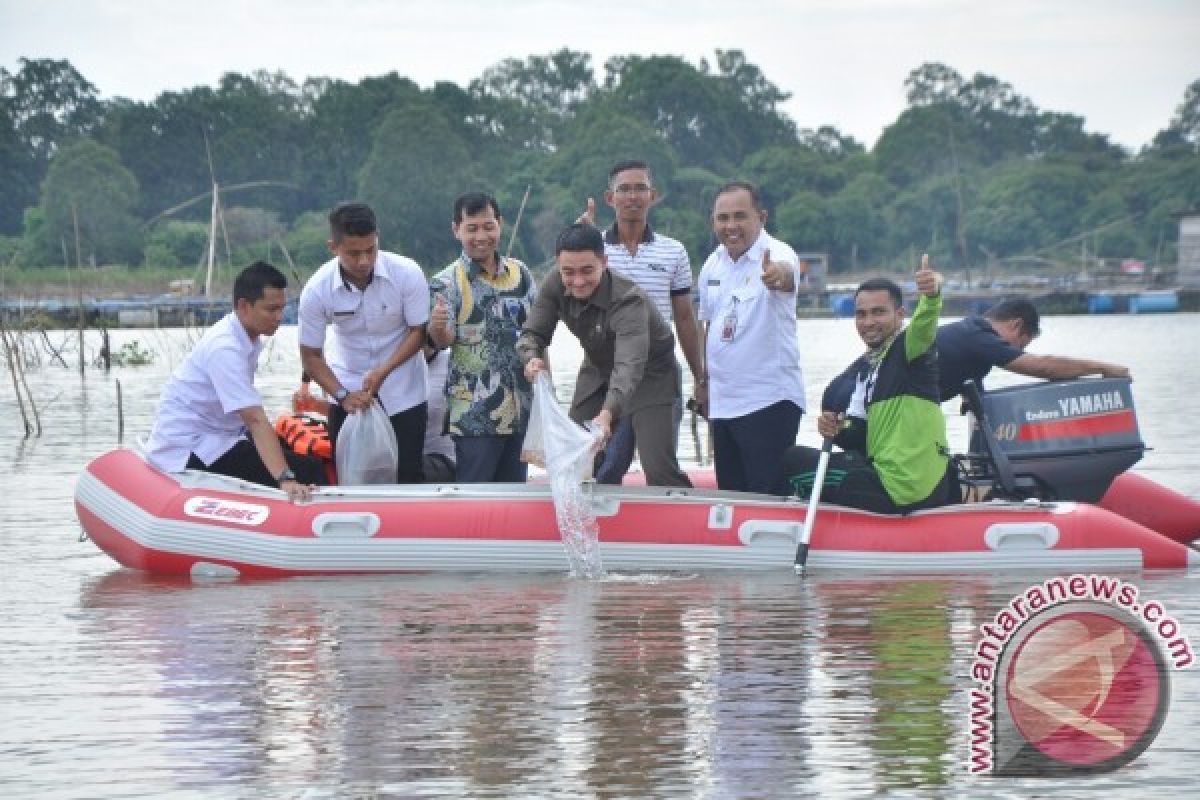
971,171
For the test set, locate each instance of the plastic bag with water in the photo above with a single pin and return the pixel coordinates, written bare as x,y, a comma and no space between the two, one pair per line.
567,452
366,450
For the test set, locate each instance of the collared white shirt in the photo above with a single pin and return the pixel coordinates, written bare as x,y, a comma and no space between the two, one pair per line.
367,326
751,350
660,266
198,410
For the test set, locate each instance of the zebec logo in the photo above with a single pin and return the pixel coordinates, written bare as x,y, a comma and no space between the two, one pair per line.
1072,676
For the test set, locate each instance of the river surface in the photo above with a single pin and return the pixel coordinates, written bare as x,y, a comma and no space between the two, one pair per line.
115,684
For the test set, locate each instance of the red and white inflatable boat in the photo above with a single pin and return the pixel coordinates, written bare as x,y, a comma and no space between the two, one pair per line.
208,525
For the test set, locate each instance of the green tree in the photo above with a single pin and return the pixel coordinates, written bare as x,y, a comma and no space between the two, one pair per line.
43,104
88,191
858,222
17,174
531,98
339,131
1026,206
1182,135
1115,232
598,138
803,222
924,219
925,142
176,243
417,166
307,241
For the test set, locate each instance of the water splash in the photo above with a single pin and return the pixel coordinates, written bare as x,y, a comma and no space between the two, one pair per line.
567,452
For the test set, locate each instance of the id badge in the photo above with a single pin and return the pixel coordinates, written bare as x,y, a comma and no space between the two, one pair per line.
729,325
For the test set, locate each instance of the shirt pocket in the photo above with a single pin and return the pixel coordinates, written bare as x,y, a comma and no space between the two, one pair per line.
710,297
595,335
386,317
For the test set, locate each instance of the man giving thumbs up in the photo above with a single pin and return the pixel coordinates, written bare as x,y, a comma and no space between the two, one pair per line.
893,437
755,391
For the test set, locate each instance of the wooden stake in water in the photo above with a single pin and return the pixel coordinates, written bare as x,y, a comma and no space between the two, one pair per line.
120,413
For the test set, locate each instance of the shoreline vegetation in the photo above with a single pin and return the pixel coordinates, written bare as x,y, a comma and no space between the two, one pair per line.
970,171
56,298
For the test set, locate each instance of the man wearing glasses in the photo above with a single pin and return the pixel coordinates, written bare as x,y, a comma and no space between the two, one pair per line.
375,305
660,266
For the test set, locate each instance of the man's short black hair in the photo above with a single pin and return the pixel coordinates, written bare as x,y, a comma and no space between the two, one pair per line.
1017,308
254,280
734,186
882,285
351,219
631,163
580,237
472,203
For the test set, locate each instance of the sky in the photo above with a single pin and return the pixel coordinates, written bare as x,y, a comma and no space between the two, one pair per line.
1123,65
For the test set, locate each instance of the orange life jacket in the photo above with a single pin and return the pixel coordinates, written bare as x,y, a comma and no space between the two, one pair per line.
305,434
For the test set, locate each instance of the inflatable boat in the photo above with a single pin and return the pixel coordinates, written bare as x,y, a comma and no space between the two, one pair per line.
211,526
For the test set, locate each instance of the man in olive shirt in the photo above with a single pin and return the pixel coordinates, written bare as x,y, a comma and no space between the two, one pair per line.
629,351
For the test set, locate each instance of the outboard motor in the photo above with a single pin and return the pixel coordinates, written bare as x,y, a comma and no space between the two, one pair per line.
1060,440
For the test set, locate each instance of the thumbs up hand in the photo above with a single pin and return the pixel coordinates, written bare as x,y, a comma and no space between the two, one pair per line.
439,322
588,217
929,283
777,275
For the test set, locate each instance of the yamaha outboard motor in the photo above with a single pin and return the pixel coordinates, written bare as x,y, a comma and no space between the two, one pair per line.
1062,440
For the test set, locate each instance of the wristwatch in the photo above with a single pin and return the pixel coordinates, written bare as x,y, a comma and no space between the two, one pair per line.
286,475
340,394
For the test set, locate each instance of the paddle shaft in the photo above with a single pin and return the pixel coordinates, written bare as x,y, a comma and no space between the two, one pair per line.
814,500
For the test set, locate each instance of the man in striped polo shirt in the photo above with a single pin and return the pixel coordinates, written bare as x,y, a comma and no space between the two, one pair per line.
660,266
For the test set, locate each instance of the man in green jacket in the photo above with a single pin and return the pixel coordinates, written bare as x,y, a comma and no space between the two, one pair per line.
893,435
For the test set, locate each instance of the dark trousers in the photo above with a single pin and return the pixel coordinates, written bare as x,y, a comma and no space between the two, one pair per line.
484,459
618,454
409,426
851,480
748,450
438,468
243,461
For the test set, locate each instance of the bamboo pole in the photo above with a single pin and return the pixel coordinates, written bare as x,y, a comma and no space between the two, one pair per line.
120,413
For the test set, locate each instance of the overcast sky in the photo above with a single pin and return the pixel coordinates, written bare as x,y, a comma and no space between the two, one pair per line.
1123,65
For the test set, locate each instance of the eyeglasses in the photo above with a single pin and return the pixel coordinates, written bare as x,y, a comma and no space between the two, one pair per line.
637,188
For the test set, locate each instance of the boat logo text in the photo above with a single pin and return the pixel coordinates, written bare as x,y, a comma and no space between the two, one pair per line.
226,510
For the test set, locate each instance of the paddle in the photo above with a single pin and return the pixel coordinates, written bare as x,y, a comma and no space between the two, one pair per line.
814,499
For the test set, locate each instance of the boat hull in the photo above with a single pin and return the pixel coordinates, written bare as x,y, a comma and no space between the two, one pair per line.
208,525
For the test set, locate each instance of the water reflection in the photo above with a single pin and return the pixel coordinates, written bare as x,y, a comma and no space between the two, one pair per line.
632,687
887,650
116,685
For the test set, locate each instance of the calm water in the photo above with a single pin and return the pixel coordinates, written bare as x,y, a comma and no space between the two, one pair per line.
114,684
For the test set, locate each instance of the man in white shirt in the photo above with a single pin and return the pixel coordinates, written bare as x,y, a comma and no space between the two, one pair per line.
755,390
210,405
661,267
375,305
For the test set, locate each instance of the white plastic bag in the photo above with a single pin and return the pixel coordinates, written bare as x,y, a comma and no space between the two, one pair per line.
553,440
366,448
567,452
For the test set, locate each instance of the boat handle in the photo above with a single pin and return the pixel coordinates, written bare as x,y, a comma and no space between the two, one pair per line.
1021,536
345,525
767,532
